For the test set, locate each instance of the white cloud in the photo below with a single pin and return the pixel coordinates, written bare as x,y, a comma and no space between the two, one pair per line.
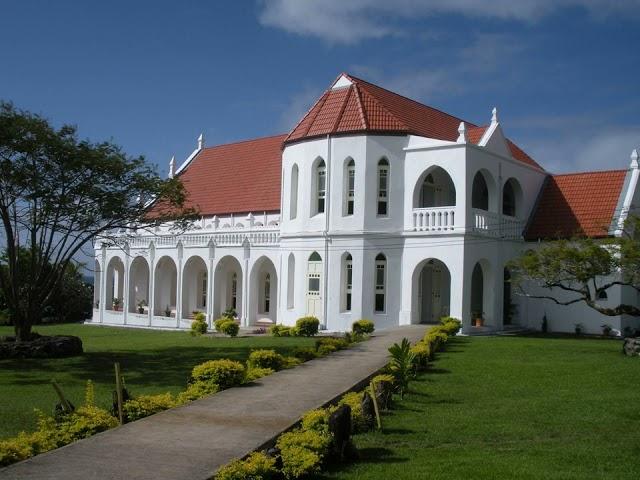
342,21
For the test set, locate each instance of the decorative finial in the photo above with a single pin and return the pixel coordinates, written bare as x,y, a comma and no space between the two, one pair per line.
462,130
201,141
494,115
172,167
634,159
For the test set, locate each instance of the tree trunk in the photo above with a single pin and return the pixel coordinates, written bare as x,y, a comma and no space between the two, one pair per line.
23,330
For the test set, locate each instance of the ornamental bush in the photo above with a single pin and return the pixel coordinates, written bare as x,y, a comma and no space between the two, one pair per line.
280,331
305,354
359,423
307,326
196,391
256,466
199,325
363,327
317,420
145,405
302,452
290,362
435,339
16,449
84,422
422,352
230,327
217,324
338,343
254,373
223,373
265,359
452,325
326,349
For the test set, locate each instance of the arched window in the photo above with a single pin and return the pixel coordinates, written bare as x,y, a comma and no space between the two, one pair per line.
349,187
347,279
435,190
291,281
267,293
602,295
234,291
383,188
321,186
380,283
511,198
480,192
293,201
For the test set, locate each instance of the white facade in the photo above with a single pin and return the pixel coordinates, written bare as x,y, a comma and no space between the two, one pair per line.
432,240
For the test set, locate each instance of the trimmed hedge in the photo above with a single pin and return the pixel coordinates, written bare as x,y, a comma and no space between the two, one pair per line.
254,373
363,327
265,359
256,466
196,391
302,452
223,373
359,422
281,331
307,326
145,405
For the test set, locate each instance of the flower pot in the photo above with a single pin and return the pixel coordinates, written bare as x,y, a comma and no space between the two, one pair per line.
478,322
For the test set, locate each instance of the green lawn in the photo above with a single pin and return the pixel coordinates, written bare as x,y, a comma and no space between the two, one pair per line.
512,408
152,362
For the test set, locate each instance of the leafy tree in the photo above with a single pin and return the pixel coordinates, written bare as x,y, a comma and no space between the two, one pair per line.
583,268
58,194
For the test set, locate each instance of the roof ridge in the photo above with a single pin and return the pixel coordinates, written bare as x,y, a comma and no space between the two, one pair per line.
342,109
357,79
363,117
587,172
387,111
245,141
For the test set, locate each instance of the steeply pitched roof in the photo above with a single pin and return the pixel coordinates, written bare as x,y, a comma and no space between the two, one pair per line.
236,178
354,105
576,204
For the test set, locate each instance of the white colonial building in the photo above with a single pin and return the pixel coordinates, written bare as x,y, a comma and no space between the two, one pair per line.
373,206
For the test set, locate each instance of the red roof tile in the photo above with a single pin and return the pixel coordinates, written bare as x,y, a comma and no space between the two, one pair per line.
236,178
365,107
576,204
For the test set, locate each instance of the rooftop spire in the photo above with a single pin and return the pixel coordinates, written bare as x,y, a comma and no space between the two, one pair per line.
201,141
172,167
462,130
494,115
634,159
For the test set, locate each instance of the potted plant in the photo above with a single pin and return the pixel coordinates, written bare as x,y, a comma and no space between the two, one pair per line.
98,304
606,329
116,304
167,311
578,328
478,320
141,305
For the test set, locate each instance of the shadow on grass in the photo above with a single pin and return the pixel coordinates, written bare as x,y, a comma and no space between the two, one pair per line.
370,455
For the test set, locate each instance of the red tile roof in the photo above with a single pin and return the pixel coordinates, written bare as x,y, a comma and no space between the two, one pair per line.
365,107
576,204
238,177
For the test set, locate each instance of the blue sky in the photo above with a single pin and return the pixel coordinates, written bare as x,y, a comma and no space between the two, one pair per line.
152,75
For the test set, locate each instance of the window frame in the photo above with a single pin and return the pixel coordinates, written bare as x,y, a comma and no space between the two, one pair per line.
380,288
382,194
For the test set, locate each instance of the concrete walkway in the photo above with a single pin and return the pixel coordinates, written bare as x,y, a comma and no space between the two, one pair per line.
193,441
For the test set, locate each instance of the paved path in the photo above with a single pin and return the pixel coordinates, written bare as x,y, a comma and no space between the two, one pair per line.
193,441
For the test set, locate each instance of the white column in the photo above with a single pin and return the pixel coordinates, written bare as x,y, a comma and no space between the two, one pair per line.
179,293
210,290
152,286
103,290
245,293
125,290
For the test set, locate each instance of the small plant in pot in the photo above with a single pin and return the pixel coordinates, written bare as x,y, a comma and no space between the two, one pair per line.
606,329
478,320
167,311
141,305
116,304
578,328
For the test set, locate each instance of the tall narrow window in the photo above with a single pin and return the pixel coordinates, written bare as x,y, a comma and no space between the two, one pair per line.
267,293
321,186
293,203
234,291
203,290
381,266
291,281
349,187
348,282
383,187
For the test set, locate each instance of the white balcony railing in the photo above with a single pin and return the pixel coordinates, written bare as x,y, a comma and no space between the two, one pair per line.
258,236
434,219
498,226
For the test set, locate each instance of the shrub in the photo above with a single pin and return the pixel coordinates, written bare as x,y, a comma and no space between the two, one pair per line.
145,405
359,423
217,324
307,326
352,337
200,317
84,422
339,343
401,364
305,353
452,325
384,377
254,373
435,339
16,449
290,362
265,359
363,327
230,313
302,452
422,353
199,325
280,331
317,420
326,349
230,327
196,391
224,373
256,466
